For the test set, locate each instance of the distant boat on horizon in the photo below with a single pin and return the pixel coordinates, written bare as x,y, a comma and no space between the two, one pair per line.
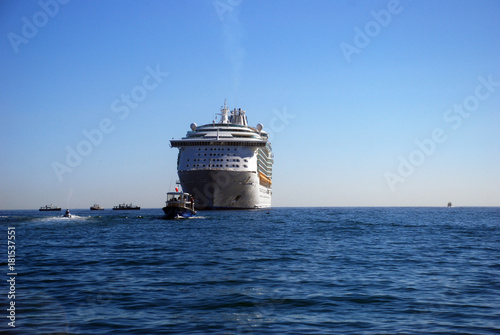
123,207
96,207
49,208
449,204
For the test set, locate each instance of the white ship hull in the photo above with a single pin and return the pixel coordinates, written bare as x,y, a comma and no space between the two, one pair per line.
221,189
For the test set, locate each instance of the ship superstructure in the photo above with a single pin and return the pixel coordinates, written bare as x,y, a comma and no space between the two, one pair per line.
226,164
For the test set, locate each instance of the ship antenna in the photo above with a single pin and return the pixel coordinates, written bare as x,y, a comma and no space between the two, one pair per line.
224,112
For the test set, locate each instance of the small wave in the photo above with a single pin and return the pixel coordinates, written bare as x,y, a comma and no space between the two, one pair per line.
196,217
163,217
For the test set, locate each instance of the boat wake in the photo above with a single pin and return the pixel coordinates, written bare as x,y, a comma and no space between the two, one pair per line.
76,217
62,219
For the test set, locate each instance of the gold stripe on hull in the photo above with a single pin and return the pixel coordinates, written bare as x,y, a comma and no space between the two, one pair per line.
264,181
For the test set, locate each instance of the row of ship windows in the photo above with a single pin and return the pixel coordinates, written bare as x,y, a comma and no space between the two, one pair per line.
217,165
217,149
218,155
217,160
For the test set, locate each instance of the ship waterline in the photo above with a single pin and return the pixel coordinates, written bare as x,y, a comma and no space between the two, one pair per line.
221,189
226,164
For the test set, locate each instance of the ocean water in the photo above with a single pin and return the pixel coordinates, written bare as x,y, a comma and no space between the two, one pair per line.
282,271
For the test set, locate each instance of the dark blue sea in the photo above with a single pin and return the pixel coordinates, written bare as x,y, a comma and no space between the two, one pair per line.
282,271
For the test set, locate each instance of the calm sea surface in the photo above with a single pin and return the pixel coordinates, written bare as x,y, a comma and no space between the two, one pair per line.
282,271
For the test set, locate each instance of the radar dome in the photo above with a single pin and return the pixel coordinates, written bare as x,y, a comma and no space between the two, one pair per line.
260,126
193,126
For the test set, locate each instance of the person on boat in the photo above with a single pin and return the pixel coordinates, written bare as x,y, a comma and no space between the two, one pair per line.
67,214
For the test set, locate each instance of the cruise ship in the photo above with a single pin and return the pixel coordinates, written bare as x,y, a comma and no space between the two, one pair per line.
226,164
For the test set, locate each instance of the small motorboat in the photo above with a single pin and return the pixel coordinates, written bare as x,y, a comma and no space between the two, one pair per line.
179,205
48,208
67,214
96,207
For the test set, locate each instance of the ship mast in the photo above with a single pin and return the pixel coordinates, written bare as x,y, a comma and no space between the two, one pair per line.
224,112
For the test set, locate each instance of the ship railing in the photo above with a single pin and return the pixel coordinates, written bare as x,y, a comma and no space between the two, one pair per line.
181,204
186,143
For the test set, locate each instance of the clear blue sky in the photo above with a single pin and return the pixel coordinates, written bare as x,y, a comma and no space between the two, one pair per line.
347,89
